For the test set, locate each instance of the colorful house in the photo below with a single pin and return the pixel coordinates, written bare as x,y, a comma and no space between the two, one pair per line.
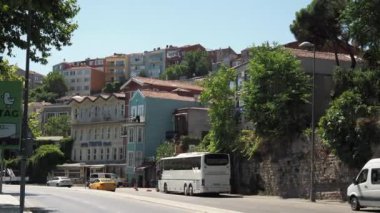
151,117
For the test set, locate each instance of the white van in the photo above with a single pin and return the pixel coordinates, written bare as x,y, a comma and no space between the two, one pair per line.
365,189
113,176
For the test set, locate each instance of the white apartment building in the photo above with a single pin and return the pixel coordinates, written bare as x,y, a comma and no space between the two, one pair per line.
96,129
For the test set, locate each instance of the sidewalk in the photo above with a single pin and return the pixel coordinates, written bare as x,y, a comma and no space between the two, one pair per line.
10,204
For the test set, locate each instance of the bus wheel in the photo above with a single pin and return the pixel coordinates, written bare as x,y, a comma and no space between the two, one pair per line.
165,188
191,192
185,190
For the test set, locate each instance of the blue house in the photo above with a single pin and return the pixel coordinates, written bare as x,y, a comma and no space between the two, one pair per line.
151,114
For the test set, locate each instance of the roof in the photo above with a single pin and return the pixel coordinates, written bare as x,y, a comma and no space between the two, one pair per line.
49,138
165,83
319,55
166,95
80,99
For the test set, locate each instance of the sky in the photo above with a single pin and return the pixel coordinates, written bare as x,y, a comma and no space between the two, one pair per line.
135,26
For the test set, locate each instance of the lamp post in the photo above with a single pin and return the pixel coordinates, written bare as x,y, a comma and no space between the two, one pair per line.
307,44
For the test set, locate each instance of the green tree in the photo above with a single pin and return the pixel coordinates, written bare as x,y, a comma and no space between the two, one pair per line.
197,63
34,124
361,20
52,25
9,72
165,149
319,23
276,93
349,128
66,146
57,126
53,87
44,160
112,87
220,98
174,72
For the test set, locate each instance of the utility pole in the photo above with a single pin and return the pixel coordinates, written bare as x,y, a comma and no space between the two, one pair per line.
24,133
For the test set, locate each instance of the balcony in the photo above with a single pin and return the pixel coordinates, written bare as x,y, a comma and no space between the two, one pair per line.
136,119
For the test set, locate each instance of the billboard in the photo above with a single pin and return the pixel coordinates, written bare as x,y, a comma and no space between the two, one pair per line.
10,113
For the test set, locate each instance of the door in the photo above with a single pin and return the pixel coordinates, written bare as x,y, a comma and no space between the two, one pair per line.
374,188
362,187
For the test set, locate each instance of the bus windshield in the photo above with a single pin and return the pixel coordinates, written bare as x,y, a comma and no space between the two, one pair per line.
216,159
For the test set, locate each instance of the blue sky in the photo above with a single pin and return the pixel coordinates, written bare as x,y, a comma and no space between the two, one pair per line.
128,26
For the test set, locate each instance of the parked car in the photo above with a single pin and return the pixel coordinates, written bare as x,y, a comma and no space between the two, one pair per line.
60,181
119,181
103,184
365,188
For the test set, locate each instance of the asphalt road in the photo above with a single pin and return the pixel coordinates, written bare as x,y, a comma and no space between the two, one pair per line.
55,199
79,199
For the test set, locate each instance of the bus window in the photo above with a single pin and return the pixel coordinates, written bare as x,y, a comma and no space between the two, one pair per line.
216,159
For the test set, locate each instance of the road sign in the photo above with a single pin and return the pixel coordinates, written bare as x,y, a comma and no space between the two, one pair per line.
10,113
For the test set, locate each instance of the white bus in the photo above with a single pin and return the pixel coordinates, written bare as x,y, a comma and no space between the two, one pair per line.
193,173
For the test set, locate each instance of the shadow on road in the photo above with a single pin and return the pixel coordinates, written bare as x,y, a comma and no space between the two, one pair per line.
40,210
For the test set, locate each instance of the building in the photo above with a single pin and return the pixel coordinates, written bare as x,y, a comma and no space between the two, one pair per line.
135,83
151,117
35,78
97,63
136,64
84,80
222,57
193,122
175,55
116,68
155,62
53,110
96,129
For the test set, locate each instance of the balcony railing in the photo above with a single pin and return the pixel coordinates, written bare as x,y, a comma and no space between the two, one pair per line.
136,119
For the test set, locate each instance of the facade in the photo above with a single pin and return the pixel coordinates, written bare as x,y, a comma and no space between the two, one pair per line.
96,130
116,68
35,78
221,57
151,117
84,80
136,64
175,55
154,62
193,122
135,83
97,63
53,110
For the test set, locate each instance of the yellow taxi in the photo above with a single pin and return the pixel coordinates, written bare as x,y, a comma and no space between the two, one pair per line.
103,184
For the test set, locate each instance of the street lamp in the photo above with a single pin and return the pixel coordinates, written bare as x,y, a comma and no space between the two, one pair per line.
307,44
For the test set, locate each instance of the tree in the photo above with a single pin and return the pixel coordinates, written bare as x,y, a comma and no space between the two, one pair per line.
276,92
112,87
57,126
220,98
45,159
319,23
34,124
361,20
52,25
174,72
166,149
349,129
197,63
53,87
194,63
9,72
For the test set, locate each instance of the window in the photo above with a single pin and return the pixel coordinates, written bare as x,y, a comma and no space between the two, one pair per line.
216,159
133,111
108,133
101,153
81,135
73,80
116,132
88,154
362,177
102,133
80,154
139,134
86,79
131,134
114,153
122,110
121,153
108,153
89,134
130,159
139,158
94,153
96,134
86,88
140,110
375,176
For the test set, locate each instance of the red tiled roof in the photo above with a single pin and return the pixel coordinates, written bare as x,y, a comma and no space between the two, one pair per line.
174,84
166,95
319,55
